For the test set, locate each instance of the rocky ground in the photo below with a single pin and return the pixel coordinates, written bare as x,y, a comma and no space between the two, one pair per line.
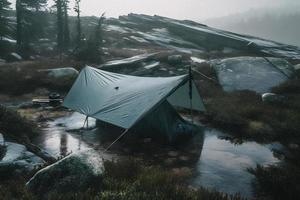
250,87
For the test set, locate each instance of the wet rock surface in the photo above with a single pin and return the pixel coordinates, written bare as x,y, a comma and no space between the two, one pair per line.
13,57
272,98
252,73
16,159
67,72
190,37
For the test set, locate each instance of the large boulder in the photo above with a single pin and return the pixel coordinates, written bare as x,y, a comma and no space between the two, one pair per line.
17,159
175,59
2,61
1,139
2,147
13,57
76,172
252,73
272,98
66,72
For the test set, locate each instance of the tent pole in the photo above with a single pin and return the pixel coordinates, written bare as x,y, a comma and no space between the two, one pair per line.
116,140
191,92
85,121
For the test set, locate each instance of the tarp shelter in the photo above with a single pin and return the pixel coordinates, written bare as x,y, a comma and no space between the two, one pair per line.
132,102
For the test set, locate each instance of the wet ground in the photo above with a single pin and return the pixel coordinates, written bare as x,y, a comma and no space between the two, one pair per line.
222,165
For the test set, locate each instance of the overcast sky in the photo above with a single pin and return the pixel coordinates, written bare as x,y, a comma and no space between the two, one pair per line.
180,9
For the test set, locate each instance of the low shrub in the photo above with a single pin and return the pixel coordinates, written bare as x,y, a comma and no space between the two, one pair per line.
16,127
23,77
240,112
15,189
136,181
277,182
124,179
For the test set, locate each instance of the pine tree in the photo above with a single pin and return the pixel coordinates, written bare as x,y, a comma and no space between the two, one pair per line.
30,22
91,51
63,33
78,24
66,24
60,24
4,23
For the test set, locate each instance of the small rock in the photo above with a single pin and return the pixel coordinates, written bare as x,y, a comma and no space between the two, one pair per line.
297,67
175,59
147,140
169,161
182,172
272,98
173,153
172,73
13,57
293,146
184,158
2,61
26,105
41,92
1,139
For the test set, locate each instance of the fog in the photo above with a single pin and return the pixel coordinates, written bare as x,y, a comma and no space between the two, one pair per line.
180,9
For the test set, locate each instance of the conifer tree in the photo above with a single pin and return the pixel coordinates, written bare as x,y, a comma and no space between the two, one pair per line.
4,23
30,22
78,24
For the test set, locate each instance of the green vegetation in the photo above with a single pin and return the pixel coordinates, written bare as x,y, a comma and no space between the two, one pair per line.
126,179
245,115
4,28
90,50
2,151
31,20
62,28
25,77
13,126
277,182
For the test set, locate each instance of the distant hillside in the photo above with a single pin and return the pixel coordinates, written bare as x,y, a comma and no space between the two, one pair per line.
278,26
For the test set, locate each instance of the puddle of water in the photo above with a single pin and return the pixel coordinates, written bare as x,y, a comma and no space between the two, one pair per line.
223,165
57,141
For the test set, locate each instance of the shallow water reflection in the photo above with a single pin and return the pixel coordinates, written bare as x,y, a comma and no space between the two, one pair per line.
57,141
223,165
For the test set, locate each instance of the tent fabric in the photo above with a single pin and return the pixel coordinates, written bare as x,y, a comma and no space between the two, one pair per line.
164,120
180,98
123,100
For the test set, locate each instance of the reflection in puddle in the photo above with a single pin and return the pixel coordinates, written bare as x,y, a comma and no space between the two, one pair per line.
223,165
57,141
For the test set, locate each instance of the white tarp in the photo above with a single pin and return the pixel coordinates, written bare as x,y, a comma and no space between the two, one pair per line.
124,100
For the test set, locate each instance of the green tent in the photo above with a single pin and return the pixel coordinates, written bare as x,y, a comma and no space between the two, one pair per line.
136,104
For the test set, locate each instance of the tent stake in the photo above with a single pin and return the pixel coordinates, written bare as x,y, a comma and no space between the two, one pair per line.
191,92
116,140
87,122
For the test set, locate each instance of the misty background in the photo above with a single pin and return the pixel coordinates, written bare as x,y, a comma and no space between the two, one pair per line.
277,20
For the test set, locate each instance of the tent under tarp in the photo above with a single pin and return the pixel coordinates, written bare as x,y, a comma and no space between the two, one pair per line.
131,102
